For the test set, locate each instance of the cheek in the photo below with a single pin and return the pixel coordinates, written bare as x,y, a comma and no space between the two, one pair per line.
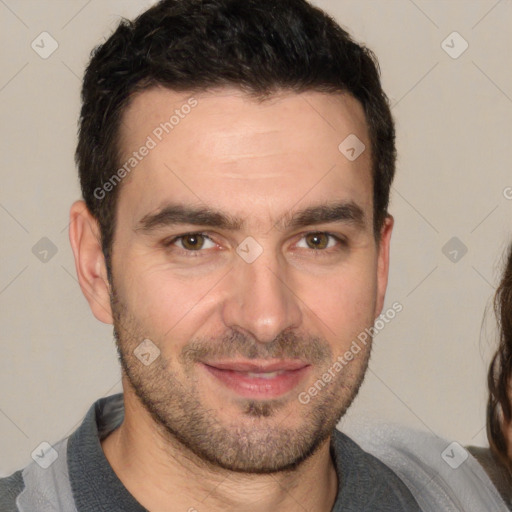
344,306
167,305
163,301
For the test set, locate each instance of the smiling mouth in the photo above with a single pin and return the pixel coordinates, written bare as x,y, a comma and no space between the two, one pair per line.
258,380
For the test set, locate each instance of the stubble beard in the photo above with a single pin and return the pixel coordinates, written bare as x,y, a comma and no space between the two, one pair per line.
255,441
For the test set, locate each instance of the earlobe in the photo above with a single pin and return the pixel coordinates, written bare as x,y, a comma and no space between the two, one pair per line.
383,262
84,236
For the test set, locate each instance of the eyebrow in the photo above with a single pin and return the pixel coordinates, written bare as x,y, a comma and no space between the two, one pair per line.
175,214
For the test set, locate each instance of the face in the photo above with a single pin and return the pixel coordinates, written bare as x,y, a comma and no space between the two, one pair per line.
244,251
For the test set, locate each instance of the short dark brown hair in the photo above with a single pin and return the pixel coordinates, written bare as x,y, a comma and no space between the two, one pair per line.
260,46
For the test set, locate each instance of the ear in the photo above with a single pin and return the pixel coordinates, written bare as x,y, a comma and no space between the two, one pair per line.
84,235
383,262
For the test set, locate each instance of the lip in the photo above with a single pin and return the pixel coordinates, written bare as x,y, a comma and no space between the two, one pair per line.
259,366
241,376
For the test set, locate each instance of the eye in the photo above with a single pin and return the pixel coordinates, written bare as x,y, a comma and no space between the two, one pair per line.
320,241
191,242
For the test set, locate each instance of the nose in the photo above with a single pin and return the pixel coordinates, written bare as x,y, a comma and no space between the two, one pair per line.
261,300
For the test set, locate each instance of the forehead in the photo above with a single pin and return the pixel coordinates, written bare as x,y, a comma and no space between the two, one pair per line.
230,151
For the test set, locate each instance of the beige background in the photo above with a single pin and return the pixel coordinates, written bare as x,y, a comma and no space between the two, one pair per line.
454,119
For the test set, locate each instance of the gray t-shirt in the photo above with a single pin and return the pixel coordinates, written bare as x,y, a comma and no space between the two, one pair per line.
80,479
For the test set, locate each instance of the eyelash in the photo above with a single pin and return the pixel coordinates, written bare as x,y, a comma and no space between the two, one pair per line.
342,243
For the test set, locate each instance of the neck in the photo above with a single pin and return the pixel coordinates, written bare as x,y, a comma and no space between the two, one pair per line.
162,474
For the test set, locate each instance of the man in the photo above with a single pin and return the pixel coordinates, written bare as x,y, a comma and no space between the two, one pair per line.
235,159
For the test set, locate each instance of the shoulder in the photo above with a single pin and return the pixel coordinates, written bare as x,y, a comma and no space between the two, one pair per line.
41,485
359,458
441,474
10,488
499,474
45,484
367,482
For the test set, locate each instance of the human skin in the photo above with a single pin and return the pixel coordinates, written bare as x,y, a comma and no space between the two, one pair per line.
188,439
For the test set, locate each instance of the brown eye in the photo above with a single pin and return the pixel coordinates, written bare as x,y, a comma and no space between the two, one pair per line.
317,240
192,242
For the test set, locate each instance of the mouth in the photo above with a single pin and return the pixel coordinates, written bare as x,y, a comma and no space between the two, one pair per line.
258,380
